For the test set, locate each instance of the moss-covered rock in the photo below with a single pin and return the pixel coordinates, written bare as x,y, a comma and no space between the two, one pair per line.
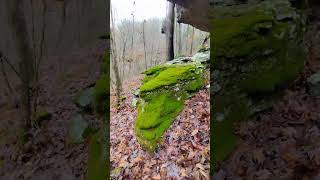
162,95
257,50
100,95
101,91
97,158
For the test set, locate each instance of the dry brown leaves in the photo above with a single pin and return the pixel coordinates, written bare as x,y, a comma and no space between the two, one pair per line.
281,143
182,154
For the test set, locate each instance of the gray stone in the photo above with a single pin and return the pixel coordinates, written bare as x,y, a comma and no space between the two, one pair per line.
76,129
201,57
314,84
84,98
134,102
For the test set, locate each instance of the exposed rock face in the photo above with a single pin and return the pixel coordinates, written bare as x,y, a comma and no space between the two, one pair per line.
258,49
162,94
194,12
198,12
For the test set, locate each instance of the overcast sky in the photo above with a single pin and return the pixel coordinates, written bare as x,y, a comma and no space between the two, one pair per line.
143,9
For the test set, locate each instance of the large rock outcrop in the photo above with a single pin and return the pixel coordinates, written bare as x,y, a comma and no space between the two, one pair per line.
199,12
257,50
194,12
162,94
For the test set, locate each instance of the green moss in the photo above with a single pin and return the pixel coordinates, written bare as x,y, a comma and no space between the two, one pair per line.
105,63
233,32
97,160
170,75
278,75
155,116
2,162
225,144
105,36
155,70
195,84
163,92
257,51
101,94
40,116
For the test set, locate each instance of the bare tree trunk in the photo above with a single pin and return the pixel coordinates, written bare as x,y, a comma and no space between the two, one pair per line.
124,57
6,79
176,35
39,59
26,57
115,63
158,52
170,32
187,36
144,45
179,40
151,58
191,46
132,37
63,22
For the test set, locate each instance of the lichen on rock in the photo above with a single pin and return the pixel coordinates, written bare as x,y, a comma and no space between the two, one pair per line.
162,94
257,50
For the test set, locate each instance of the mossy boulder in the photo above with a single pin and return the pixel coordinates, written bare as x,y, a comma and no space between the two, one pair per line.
162,94
257,51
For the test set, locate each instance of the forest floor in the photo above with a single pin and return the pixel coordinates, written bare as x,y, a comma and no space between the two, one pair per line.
183,152
283,142
46,155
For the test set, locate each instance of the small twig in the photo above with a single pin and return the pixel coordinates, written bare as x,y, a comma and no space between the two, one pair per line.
5,76
11,66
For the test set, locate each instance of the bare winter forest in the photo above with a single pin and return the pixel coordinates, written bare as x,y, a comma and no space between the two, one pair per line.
50,61
139,45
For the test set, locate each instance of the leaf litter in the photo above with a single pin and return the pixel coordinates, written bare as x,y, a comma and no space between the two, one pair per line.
183,152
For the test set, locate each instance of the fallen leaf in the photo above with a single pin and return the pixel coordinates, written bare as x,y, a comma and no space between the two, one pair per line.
157,177
194,132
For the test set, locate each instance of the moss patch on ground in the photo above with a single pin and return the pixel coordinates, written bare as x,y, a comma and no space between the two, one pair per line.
162,96
41,115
